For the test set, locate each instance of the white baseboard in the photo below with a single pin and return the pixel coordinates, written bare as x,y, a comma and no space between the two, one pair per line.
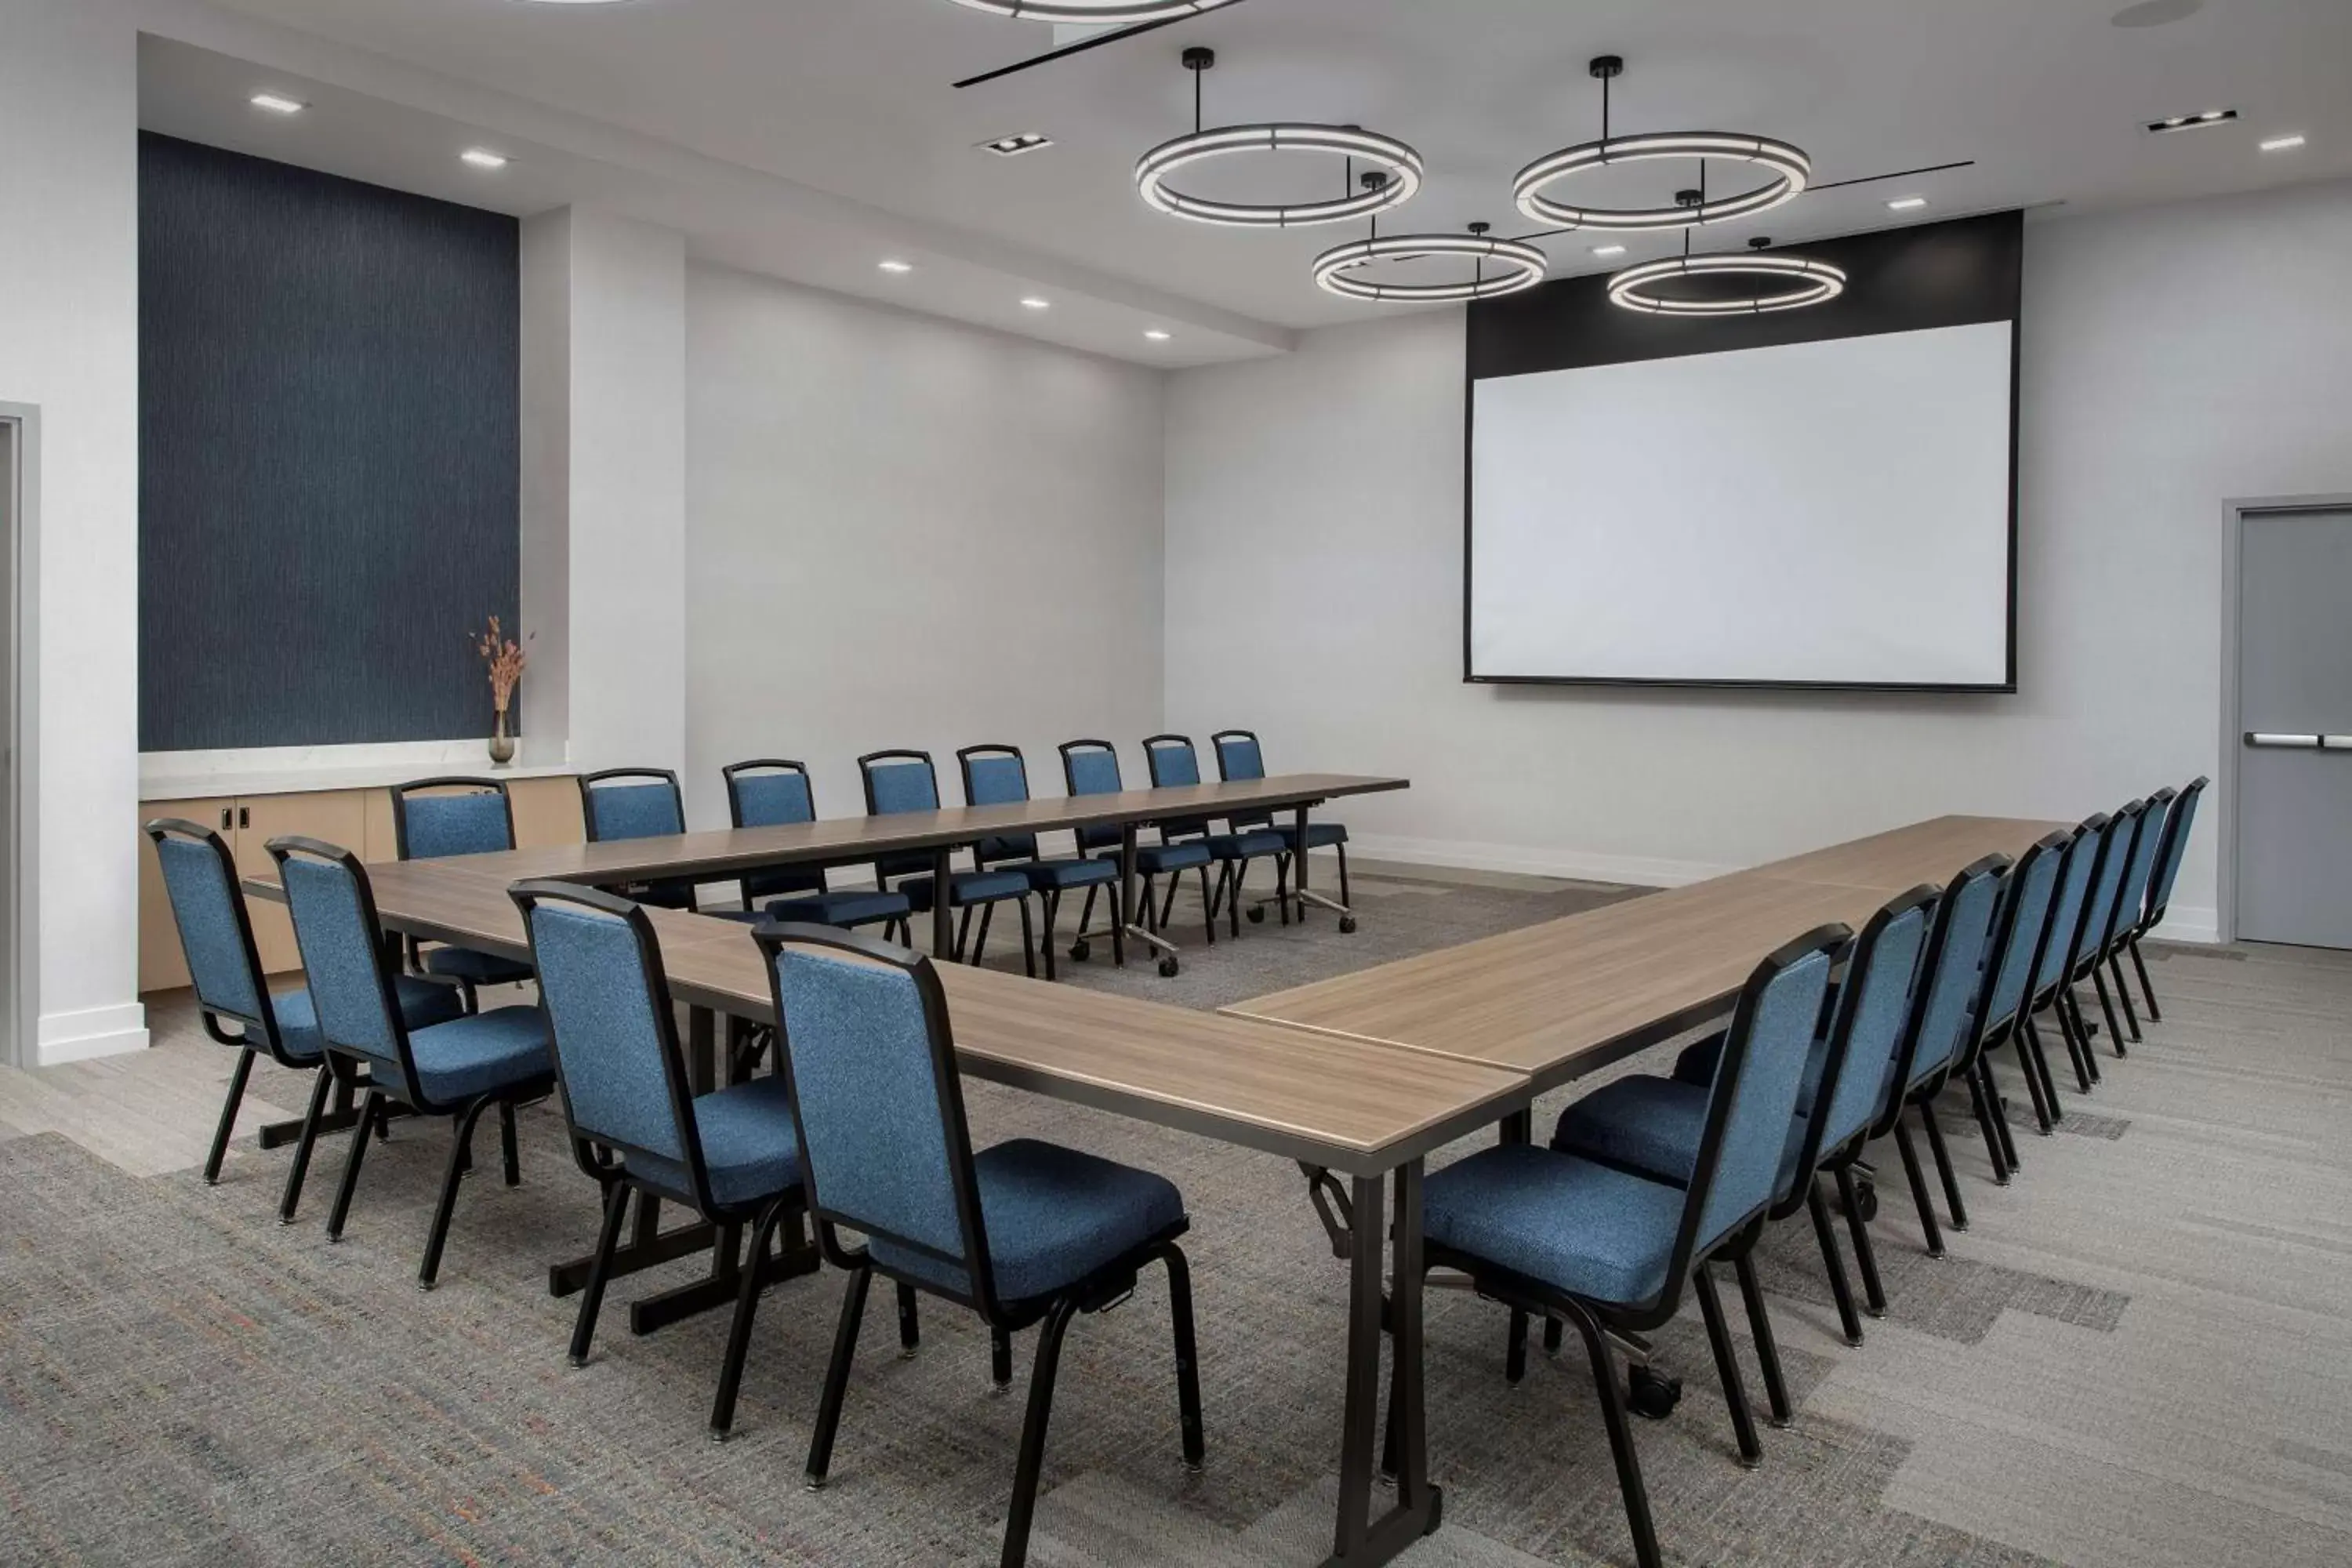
1577,866
91,1032
2182,924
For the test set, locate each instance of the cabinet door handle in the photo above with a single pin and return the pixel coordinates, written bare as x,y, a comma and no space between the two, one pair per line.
225,818
245,816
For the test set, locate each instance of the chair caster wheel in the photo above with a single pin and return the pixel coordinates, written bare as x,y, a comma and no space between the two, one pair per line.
1080,951
1257,915
1347,925
1168,967
1651,1395
1866,1201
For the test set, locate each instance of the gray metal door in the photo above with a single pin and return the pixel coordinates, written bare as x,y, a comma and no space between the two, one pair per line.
2295,709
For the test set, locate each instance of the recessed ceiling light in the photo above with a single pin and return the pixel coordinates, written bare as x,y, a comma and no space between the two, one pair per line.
1155,334
896,265
483,158
2282,143
278,105
1014,146
2191,122
1035,303
1608,251
1907,203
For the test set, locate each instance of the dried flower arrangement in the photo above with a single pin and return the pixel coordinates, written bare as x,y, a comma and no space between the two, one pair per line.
506,659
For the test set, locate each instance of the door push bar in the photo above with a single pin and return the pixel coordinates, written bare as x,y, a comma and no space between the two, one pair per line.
2300,743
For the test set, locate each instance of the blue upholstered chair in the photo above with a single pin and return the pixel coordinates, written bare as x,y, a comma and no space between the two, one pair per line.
732,1156
1651,1125
1174,766
2131,900
906,781
1025,1233
1091,767
2095,928
224,969
459,1068
637,803
1560,1236
433,819
2178,823
2026,895
1239,756
2054,962
998,775
772,793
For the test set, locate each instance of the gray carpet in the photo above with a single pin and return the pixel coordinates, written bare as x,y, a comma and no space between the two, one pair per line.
2135,1356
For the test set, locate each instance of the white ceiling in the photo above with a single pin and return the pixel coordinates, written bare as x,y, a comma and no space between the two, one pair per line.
809,138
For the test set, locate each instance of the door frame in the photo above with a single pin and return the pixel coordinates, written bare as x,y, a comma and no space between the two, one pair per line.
20,967
2234,514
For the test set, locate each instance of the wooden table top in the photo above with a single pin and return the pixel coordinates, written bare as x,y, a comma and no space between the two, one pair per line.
1355,1106
720,854
1563,998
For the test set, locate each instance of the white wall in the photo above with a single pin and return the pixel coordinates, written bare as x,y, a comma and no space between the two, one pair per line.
2173,357
906,532
69,343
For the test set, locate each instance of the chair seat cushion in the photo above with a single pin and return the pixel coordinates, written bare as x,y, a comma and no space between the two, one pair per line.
1053,1216
1051,876
1158,859
968,887
422,1005
1654,1126
1320,834
783,882
850,907
1579,1227
481,968
749,1145
476,1053
1247,846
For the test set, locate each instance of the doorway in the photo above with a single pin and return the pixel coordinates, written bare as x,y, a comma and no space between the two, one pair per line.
2287,699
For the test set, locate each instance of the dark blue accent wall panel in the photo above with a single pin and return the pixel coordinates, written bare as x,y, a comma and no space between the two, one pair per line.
328,437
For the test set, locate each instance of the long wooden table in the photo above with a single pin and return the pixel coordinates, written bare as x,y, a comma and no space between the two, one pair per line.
1561,999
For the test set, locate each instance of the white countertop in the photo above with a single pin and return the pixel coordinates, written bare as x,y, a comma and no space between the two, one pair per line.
302,769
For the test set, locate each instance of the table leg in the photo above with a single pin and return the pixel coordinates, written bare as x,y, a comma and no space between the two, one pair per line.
1299,888
340,1115
1130,911
942,925
1357,1539
701,1049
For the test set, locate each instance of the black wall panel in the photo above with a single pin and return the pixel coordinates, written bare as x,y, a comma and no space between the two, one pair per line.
329,432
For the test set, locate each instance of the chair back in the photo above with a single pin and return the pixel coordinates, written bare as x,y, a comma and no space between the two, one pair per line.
1091,767
2116,846
870,1066
1950,980
435,817
898,781
2079,863
216,930
2025,897
997,775
1755,1094
1873,1007
2178,823
335,926
1174,766
631,803
611,1029
1239,756
2140,872
768,793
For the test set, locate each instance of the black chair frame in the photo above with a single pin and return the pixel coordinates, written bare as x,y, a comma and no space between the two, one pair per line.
1090,842
1257,909
410,948
891,865
1021,848
2095,932
1232,874
2176,822
405,1093
1989,1034
1106,1287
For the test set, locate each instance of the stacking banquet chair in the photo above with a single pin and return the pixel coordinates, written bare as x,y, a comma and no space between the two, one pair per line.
1939,1038
1239,756
2178,823
1091,767
637,803
436,817
2130,899
1557,1234
1024,1233
2094,929
997,775
906,781
1174,766
774,794
2026,894
732,1155
2056,961
217,935
459,1068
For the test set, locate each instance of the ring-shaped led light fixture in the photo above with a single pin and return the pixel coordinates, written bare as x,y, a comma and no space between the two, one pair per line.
1089,12
1403,163
1803,281
1523,267
1789,168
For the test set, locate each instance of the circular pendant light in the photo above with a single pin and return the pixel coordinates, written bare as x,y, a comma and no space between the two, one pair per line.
1788,169
1522,266
1083,12
1153,170
1778,283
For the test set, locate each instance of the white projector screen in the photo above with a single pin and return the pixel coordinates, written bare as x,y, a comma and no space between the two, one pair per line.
1833,512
